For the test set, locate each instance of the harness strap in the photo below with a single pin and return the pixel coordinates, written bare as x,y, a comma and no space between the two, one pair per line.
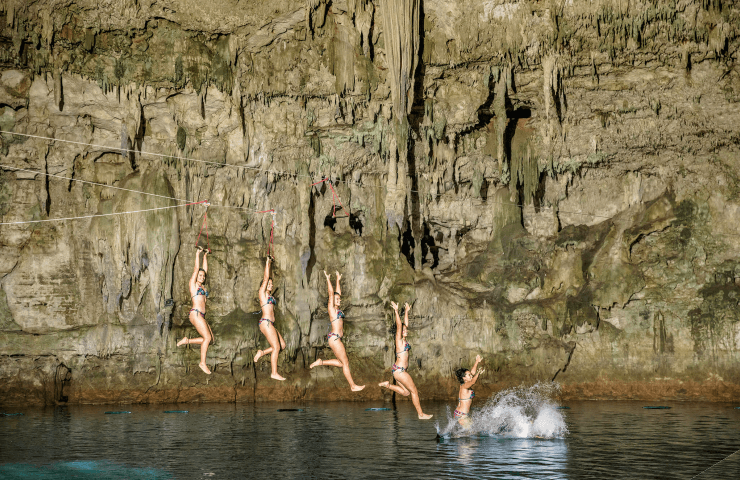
334,197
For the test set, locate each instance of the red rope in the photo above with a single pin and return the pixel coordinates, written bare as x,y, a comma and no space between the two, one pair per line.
204,224
334,197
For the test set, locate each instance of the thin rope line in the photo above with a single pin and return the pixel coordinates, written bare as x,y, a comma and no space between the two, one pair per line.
209,162
276,172
37,172
728,456
93,183
98,215
296,175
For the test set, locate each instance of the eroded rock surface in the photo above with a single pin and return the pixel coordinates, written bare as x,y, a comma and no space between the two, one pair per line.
554,185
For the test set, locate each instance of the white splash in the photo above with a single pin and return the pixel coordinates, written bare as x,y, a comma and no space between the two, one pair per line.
521,412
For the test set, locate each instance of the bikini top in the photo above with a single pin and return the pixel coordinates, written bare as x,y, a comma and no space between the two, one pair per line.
472,394
339,315
406,348
270,301
200,291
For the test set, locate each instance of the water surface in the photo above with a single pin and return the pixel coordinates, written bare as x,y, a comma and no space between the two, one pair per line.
344,440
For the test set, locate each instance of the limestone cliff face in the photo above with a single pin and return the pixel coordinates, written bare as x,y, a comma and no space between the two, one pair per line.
554,184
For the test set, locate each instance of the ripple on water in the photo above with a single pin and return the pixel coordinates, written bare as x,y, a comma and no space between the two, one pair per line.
592,440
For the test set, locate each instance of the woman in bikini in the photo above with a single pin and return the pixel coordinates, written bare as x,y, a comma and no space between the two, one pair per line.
336,331
198,311
405,385
267,323
467,379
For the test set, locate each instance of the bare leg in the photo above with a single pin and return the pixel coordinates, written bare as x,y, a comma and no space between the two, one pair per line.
405,379
273,337
342,361
399,389
261,353
327,363
205,339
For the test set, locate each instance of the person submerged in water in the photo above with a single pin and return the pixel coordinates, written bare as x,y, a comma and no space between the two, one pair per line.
467,379
405,385
336,331
267,322
197,314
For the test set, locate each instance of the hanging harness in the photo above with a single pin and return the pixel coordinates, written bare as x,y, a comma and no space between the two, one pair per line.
334,197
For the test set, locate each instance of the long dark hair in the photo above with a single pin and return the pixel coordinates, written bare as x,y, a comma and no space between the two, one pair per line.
460,374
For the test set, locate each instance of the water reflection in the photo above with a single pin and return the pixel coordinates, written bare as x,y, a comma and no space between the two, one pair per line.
343,440
502,457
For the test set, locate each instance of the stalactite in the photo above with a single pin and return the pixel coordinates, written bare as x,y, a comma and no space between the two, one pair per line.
363,23
58,92
401,35
315,14
124,140
10,19
525,171
499,109
401,32
344,61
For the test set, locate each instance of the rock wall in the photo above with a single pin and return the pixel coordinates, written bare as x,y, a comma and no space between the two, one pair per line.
553,184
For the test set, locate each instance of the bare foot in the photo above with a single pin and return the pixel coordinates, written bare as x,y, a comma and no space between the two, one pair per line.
277,377
424,416
317,363
357,388
384,384
184,341
204,367
258,356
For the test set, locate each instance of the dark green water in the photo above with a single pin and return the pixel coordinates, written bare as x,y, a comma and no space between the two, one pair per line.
343,440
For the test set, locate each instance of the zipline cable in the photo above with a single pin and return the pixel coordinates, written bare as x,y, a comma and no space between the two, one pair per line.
296,175
37,172
100,214
258,169
92,183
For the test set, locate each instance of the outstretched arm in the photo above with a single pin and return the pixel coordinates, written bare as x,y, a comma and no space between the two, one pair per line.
205,259
399,329
266,277
338,289
197,267
406,310
475,372
478,359
330,288
475,379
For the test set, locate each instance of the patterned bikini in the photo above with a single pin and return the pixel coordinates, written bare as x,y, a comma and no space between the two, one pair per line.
199,291
330,335
270,301
458,414
395,368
